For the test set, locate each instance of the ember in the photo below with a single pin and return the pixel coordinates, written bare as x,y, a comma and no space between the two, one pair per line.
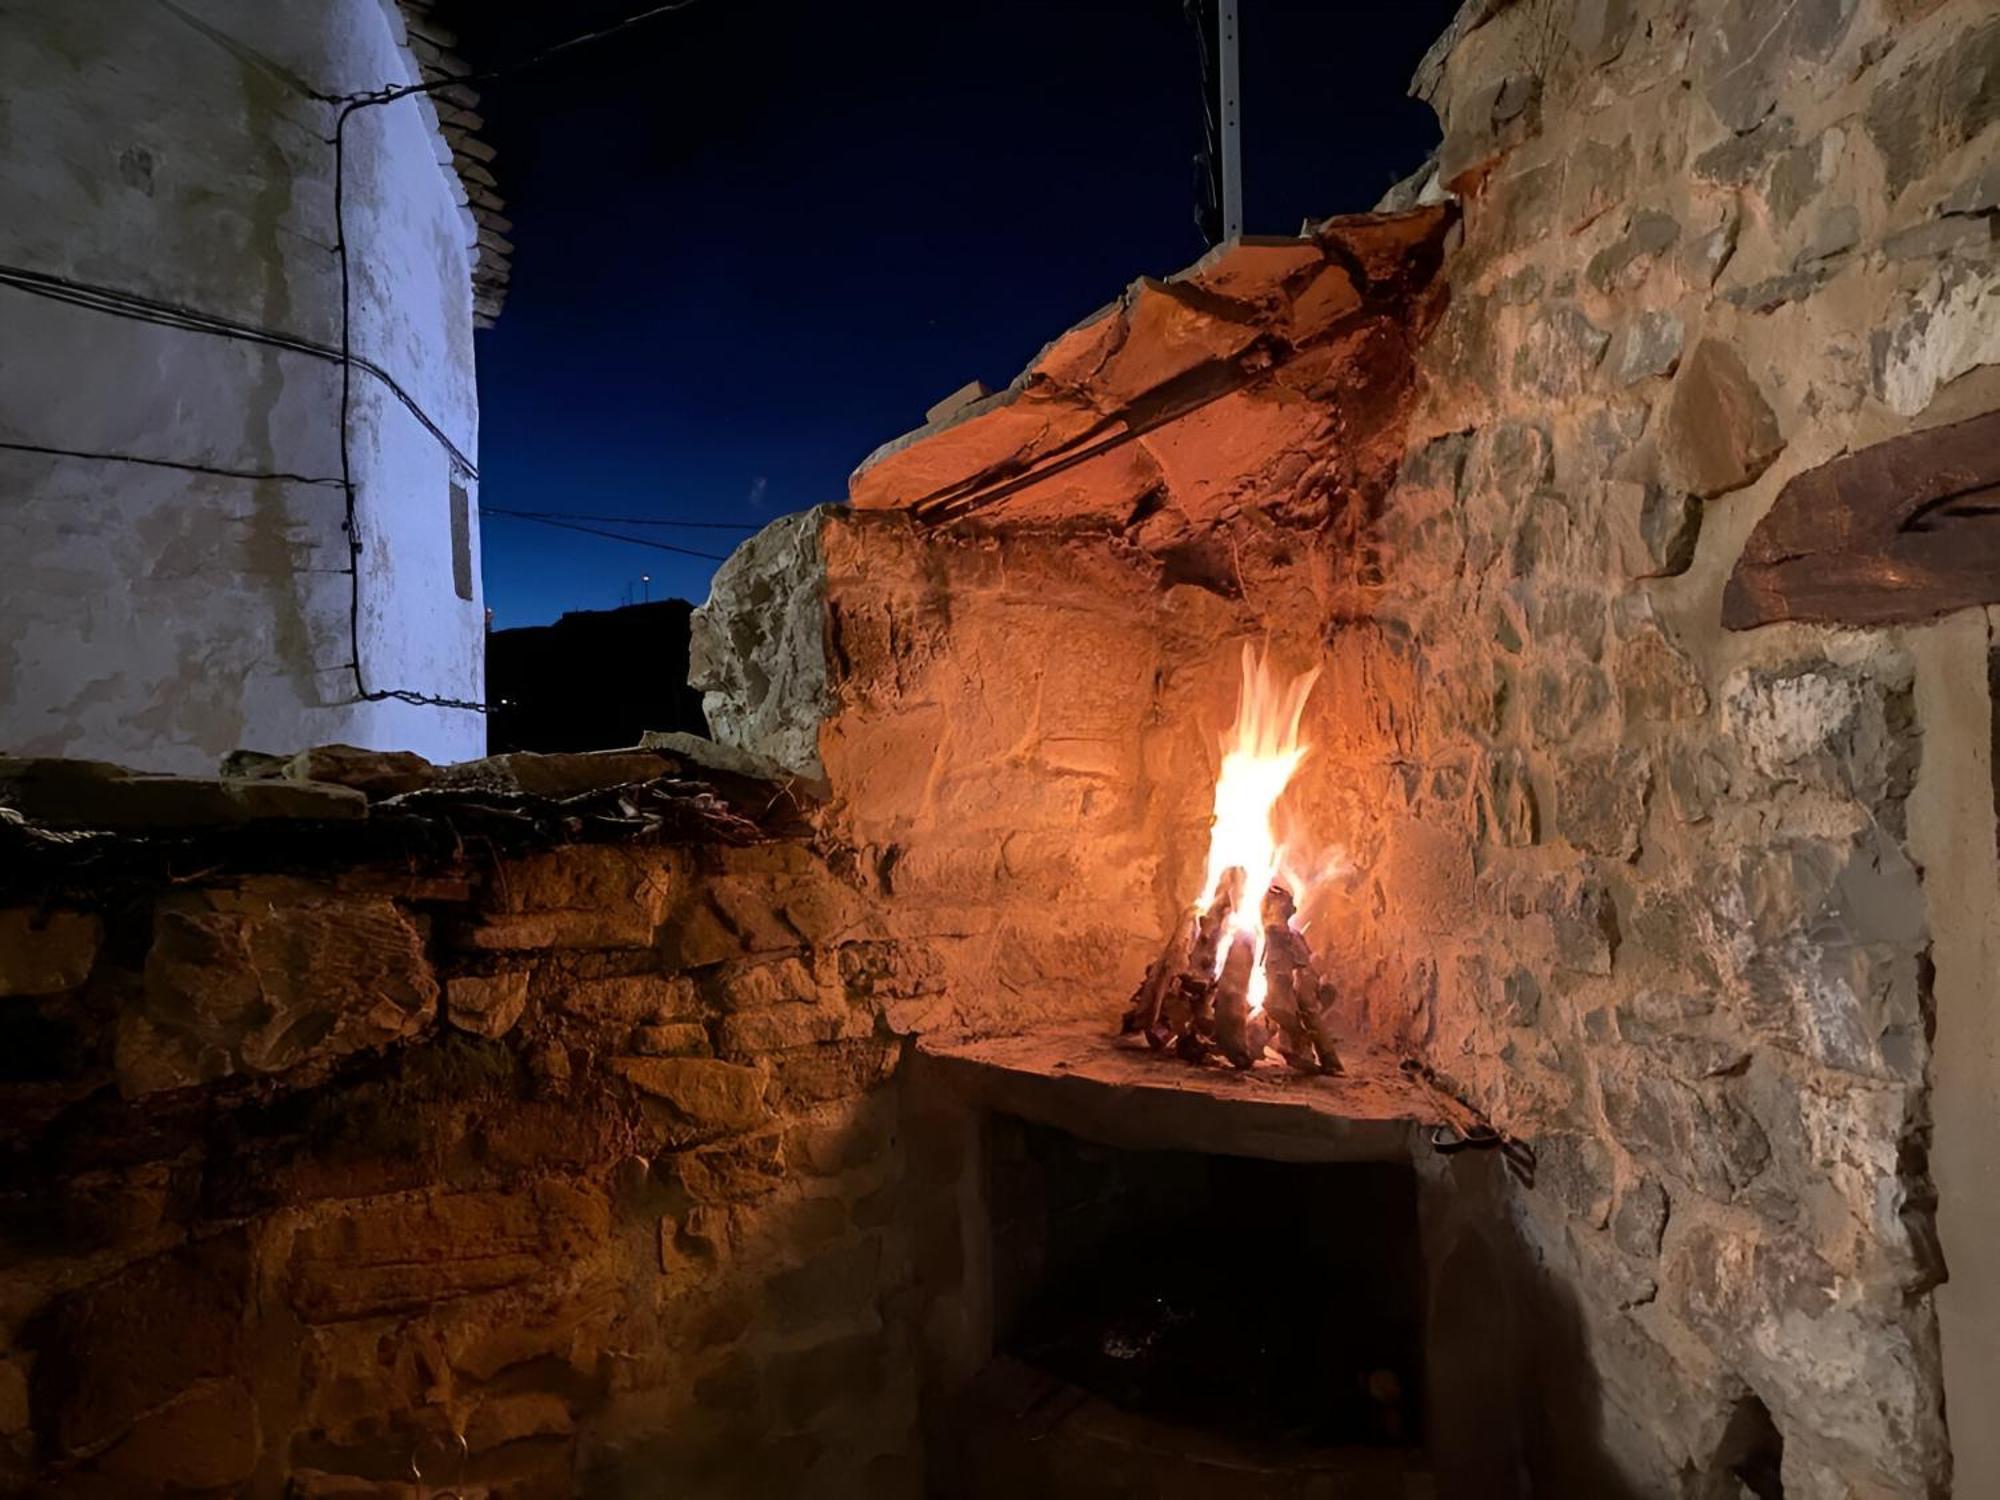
1237,976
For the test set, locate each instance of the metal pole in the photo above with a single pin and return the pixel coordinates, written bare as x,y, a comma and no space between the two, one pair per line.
1232,140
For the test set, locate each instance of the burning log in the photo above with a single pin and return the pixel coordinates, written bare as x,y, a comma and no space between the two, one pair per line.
1316,1016
1298,1001
1233,978
1214,923
1232,1002
1285,956
1196,997
1149,1004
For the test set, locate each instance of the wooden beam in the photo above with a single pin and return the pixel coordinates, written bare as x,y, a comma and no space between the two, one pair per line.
1904,531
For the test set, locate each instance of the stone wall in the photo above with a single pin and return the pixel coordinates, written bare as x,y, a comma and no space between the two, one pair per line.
181,154
1013,658
1705,247
1026,749
582,1155
1650,893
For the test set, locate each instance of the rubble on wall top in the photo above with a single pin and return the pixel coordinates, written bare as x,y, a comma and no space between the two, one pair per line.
89,825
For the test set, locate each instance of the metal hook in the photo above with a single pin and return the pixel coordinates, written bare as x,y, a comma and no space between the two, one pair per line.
453,1491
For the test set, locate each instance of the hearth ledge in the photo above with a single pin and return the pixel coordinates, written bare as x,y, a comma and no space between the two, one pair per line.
1098,1088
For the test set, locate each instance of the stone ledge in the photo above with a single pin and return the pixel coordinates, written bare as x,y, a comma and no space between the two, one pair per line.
1094,1087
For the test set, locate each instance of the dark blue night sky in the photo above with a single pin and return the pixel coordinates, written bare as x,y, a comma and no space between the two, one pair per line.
757,237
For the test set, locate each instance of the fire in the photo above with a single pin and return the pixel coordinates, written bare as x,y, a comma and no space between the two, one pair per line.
1261,752
1237,977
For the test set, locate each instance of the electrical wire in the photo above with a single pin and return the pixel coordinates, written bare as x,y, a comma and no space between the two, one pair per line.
563,515
491,75
349,106
165,463
636,541
121,303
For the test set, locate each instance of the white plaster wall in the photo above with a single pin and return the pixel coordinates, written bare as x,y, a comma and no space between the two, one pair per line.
161,618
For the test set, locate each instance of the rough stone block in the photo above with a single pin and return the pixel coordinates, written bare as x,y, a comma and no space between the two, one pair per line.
205,1440
271,976
91,794
486,1005
557,776
747,986
1599,29
757,649
1601,800
1950,325
671,1039
841,1137
1576,1169
1825,724
624,1000
1560,352
1704,1135
1750,54
703,1097
731,1172
1622,265
1944,98
1740,159
392,1255
1640,1220
1655,529
1564,698
1514,817
1650,345
1720,433
43,952
541,931
1584,921
750,1034
1845,1380
375,773
833,1070
1682,1033
839,1286
890,970
138,1341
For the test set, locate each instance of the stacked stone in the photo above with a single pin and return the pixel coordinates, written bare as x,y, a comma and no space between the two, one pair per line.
1705,248
558,1173
1642,891
433,48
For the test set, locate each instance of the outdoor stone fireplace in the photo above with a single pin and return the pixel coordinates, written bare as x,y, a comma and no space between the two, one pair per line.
757,1116
1640,893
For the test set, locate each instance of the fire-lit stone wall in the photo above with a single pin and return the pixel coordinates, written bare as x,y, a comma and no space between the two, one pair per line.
585,1156
1649,892
1031,623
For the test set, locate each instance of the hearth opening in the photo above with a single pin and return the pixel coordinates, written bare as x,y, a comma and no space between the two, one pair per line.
1175,1317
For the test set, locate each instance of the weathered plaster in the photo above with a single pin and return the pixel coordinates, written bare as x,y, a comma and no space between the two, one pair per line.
162,617
1952,835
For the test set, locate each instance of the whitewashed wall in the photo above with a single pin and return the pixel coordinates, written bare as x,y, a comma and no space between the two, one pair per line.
159,617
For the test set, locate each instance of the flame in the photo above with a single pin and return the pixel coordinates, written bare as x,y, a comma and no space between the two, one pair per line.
1260,752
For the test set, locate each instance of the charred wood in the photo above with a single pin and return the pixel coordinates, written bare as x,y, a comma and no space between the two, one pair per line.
1232,1002
1316,1016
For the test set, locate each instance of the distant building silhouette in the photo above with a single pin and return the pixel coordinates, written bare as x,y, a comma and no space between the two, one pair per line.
594,680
